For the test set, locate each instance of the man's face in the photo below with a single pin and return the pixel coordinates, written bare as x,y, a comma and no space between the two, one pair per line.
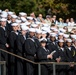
23,32
60,36
32,33
13,19
38,35
15,28
61,44
43,44
52,38
68,44
9,17
3,23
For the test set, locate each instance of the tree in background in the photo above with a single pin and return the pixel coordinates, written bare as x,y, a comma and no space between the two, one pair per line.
63,8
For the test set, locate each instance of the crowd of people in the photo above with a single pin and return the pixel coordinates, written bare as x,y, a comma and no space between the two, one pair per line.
39,40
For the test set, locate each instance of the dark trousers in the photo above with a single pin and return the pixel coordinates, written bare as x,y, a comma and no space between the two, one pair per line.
30,68
13,64
61,72
20,70
44,70
19,65
61,69
70,70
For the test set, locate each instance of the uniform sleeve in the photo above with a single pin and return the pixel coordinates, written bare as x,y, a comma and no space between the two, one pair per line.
30,48
2,37
49,47
19,44
69,56
41,55
11,40
63,56
56,54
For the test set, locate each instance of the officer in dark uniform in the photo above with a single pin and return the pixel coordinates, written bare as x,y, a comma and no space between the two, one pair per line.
36,38
12,20
30,49
3,38
3,41
13,47
20,49
53,46
70,50
44,55
62,56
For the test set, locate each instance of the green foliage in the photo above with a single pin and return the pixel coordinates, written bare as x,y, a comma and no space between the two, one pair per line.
62,8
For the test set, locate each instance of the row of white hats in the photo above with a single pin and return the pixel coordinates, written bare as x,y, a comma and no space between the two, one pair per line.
26,22
4,14
47,29
24,27
15,16
60,40
11,13
44,28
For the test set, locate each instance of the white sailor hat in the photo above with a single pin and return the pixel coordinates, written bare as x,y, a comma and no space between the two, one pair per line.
44,32
48,30
37,22
65,35
22,13
53,34
24,27
4,12
29,18
61,34
60,40
3,19
27,23
45,25
55,29
32,30
34,25
52,28
23,19
14,24
18,21
4,15
10,13
22,24
14,16
45,28
62,30
38,31
69,40
43,40
73,36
